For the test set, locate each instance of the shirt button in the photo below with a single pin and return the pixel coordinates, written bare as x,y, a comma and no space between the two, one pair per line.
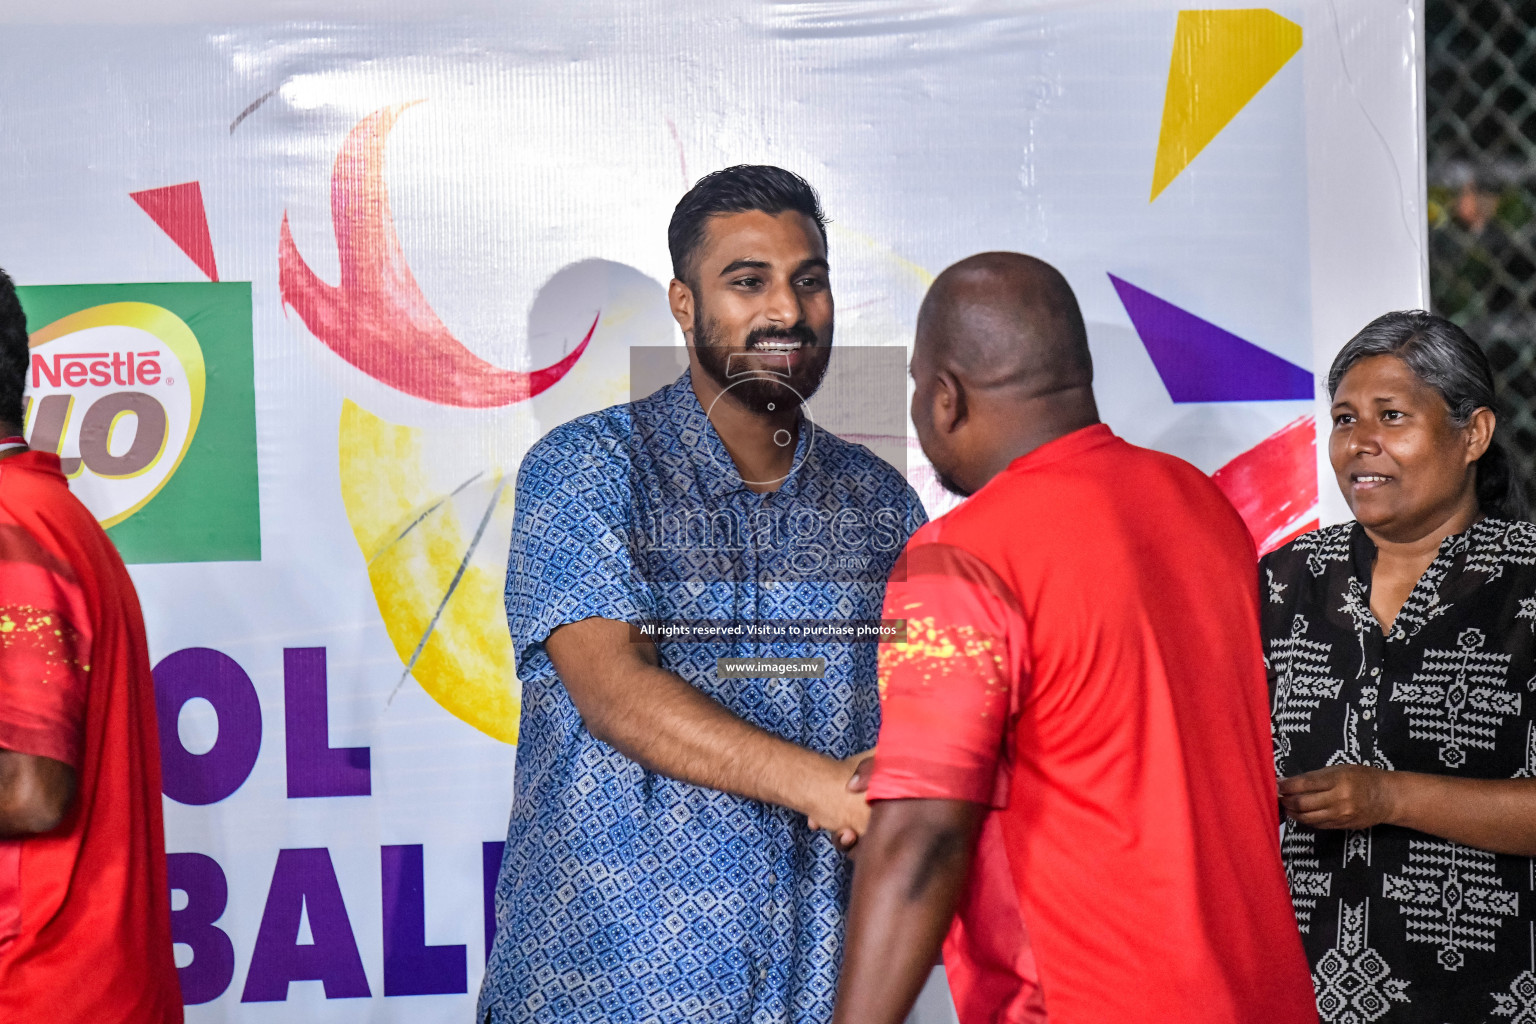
772,878
1375,671
1367,715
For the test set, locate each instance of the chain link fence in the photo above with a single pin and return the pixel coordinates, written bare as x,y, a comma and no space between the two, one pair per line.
1481,79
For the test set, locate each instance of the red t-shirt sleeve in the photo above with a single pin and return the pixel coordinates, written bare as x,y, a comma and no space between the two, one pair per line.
949,694
45,645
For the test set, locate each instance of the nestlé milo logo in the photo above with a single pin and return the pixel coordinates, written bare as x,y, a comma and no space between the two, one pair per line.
117,391
145,393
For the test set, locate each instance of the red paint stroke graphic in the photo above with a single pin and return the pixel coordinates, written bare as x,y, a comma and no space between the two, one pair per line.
178,209
1274,484
377,318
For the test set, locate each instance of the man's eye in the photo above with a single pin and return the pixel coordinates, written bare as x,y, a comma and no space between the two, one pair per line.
1391,414
748,282
812,282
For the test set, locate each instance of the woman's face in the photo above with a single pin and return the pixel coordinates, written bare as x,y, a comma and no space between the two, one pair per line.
1403,464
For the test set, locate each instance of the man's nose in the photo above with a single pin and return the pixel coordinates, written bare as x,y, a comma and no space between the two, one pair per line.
783,304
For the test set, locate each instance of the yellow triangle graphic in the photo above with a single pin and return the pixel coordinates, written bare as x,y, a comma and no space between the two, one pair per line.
1221,59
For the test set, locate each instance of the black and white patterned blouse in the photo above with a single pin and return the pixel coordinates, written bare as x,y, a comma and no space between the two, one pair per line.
1398,925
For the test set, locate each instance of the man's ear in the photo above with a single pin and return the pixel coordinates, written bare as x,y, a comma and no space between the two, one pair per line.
680,298
949,403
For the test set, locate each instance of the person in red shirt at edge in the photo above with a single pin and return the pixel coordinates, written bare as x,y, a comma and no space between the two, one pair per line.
85,927
1074,777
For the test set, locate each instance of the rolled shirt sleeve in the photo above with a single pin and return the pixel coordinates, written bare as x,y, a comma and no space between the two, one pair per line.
571,556
950,693
45,645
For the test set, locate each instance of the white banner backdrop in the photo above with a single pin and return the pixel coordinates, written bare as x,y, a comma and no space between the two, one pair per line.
452,234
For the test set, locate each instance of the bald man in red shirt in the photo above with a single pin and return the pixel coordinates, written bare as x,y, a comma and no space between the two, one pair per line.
85,929
1073,778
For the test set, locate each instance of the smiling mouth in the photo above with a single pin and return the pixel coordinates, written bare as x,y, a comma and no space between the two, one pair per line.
1368,480
776,345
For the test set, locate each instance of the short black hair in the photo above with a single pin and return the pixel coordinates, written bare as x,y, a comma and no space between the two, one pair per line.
13,353
738,189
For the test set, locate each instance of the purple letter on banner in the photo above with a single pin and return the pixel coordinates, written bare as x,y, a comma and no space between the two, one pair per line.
490,872
315,768
213,955
206,778
304,881
411,967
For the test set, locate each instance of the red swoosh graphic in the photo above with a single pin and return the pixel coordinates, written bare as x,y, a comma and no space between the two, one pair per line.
377,318
1273,485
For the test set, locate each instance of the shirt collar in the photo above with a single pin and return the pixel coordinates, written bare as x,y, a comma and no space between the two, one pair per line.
1065,447
712,462
35,461
1477,537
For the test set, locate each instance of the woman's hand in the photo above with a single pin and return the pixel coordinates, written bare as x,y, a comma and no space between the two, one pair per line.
1497,815
1341,796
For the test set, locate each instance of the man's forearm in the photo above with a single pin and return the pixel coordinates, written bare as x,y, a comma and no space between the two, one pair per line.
911,869
674,730
35,792
655,718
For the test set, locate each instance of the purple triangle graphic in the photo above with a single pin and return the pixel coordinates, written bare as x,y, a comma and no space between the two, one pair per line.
1200,362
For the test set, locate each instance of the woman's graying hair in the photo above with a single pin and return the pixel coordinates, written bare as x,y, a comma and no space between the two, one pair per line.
1442,356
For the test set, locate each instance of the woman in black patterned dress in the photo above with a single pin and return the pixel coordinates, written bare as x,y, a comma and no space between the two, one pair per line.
1402,662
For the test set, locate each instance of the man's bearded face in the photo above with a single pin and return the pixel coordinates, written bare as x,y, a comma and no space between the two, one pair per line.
771,365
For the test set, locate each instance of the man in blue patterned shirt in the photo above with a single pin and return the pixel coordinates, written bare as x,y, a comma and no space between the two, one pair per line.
660,865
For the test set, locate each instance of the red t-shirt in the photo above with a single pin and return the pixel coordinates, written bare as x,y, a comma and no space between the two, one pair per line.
85,927
1083,657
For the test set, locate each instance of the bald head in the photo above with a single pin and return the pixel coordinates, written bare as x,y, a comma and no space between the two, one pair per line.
1001,366
1003,319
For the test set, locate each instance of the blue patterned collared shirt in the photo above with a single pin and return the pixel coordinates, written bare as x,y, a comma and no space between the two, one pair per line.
625,895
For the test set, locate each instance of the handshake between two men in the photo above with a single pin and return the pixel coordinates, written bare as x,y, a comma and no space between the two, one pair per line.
669,727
